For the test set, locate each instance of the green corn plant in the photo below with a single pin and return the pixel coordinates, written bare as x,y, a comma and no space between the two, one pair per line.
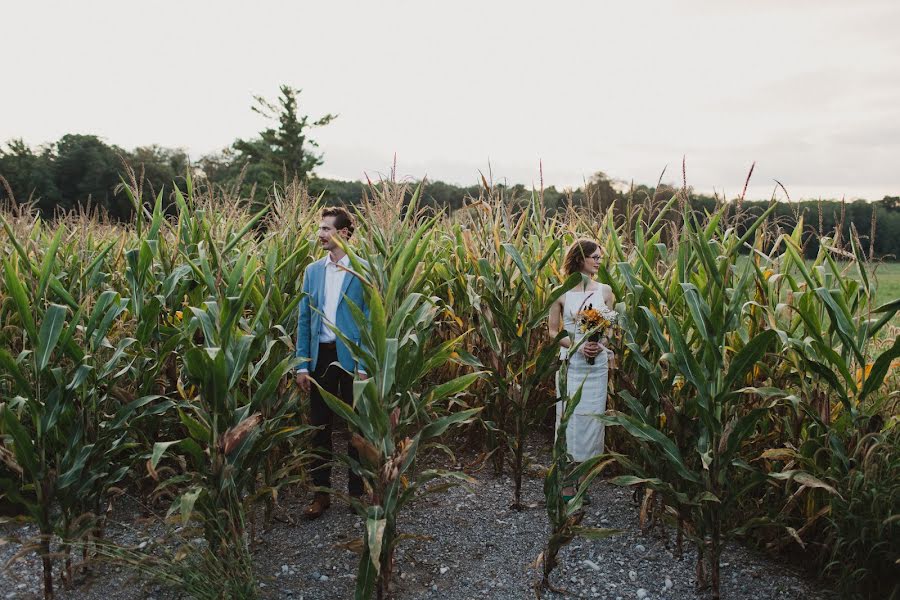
399,241
566,516
281,255
236,358
398,411
485,224
640,278
513,300
65,433
838,502
818,464
862,527
831,325
832,474
706,343
194,572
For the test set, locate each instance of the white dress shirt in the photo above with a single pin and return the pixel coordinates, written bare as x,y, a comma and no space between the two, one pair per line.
334,280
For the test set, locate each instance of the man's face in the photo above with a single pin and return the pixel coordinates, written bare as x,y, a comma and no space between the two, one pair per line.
327,233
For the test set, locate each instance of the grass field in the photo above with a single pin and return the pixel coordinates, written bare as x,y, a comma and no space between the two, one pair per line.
888,276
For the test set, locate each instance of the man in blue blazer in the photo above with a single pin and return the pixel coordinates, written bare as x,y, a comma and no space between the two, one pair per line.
328,289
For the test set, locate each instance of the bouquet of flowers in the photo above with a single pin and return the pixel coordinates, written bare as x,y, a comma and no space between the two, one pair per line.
596,322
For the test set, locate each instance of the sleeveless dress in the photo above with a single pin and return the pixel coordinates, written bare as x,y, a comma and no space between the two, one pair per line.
584,434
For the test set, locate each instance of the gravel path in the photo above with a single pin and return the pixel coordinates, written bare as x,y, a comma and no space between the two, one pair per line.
476,548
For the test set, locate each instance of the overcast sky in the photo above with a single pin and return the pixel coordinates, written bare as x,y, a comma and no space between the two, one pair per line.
810,90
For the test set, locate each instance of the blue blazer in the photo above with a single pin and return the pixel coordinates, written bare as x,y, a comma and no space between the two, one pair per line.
309,323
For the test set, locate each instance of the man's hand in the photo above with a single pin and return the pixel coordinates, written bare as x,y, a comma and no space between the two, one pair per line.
304,381
362,376
590,349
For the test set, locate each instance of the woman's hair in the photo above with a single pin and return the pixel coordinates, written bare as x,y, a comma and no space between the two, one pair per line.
576,254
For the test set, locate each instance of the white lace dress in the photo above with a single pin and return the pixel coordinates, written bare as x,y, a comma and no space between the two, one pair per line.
584,434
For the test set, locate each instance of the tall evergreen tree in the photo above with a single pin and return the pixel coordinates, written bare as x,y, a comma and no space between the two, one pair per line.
282,152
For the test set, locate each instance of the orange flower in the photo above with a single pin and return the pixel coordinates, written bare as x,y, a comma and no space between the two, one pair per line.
591,318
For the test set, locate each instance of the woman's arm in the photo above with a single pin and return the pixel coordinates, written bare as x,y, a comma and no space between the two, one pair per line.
609,298
554,324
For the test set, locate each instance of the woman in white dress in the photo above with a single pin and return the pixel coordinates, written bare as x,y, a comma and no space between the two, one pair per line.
584,434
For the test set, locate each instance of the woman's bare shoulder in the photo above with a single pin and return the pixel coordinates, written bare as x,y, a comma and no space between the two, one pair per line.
607,293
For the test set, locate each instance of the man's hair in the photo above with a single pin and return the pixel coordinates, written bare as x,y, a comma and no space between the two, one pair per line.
342,218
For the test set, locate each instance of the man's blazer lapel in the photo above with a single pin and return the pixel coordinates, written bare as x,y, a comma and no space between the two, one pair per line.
348,277
320,287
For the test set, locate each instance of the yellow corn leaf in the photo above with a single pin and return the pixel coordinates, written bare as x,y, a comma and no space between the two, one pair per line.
355,545
863,374
556,273
793,533
778,454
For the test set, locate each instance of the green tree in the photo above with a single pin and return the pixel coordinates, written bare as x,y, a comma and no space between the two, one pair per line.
86,170
29,175
282,152
162,168
600,193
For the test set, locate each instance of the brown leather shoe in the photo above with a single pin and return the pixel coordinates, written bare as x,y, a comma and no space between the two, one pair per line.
318,506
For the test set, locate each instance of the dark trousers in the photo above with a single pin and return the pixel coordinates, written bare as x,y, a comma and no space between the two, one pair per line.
339,383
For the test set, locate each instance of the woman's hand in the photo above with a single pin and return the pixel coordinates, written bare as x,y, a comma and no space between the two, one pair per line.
590,349
611,359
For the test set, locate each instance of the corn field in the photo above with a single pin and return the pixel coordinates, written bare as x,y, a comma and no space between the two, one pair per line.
756,399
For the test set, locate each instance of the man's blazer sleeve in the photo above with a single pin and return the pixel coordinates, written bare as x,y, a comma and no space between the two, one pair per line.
303,324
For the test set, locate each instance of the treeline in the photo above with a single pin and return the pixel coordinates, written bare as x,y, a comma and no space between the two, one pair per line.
83,170
79,171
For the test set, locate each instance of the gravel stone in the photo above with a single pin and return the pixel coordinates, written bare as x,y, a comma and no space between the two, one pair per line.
487,549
